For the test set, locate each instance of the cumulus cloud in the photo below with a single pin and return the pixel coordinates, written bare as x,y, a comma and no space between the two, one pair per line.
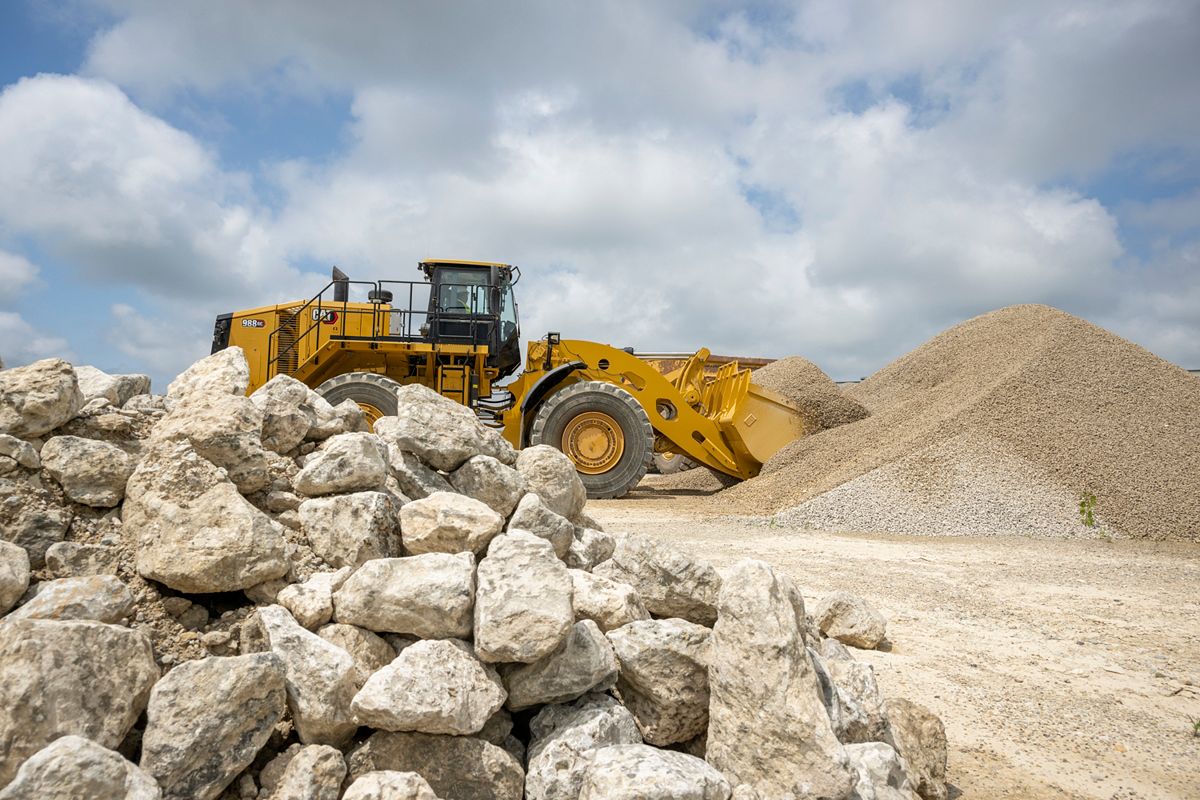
21,343
838,179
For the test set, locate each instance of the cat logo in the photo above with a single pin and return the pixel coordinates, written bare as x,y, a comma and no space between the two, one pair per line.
325,315
254,323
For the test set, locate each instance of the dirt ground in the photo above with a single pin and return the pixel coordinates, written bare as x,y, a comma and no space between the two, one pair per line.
1062,668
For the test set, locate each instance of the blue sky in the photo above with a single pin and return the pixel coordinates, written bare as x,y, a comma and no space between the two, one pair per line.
836,179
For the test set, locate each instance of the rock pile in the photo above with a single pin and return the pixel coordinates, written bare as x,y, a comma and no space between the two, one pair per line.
207,595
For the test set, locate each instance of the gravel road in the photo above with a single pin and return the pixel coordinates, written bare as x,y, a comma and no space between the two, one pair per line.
1062,669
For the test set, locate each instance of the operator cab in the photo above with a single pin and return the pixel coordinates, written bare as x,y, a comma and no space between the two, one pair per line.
472,302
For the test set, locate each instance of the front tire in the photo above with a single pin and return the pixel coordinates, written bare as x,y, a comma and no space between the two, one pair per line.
603,429
375,394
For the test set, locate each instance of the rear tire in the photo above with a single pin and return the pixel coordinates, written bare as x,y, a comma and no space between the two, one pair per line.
375,394
611,421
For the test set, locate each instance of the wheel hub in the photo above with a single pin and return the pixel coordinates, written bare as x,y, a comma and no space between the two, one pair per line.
594,441
371,413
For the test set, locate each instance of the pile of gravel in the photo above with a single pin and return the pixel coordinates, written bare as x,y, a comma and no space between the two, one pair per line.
823,404
211,596
1068,407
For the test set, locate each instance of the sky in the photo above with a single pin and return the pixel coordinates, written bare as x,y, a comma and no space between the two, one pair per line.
840,180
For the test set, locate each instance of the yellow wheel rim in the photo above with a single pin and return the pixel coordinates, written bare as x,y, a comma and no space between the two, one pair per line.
594,441
371,413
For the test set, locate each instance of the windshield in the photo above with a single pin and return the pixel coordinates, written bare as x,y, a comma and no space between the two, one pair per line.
508,313
463,291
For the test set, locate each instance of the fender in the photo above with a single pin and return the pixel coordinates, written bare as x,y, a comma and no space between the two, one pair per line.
544,385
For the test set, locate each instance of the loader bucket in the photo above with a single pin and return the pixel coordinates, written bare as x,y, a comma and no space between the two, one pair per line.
755,421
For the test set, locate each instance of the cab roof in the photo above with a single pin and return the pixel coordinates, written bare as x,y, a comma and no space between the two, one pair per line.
427,265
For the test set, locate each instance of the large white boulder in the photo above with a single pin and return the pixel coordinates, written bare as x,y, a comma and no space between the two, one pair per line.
58,678
664,677
75,768
92,473
563,739
434,686
370,651
102,598
880,772
534,516
458,767
446,522
583,662
116,389
441,432
760,672
319,677
347,530
194,530
851,620
223,372
489,481
314,772
670,583
522,601
14,574
223,428
414,477
642,772
390,785
919,736
37,398
608,603
207,720
431,596
348,462
286,419
552,476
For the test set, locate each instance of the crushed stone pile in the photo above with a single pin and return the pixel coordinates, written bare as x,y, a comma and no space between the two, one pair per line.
1002,424
206,595
823,404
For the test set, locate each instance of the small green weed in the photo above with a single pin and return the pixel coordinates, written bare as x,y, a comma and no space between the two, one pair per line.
1195,726
1087,510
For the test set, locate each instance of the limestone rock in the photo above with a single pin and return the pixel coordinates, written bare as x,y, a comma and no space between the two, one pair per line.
880,773
37,398
642,772
311,602
32,517
319,677
224,372
116,389
862,716
76,559
20,451
315,772
607,603
74,768
764,688
348,462
487,480
435,686
523,600
920,738
350,529
458,767
59,678
102,598
533,516
552,476
285,419
431,596
412,475
589,548
849,619
326,420
664,677
445,522
439,431
224,429
195,532
565,737
390,785
90,472
671,584
370,651
14,574
207,720
584,661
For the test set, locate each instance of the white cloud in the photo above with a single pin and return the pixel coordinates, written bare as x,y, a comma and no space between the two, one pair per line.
16,274
21,343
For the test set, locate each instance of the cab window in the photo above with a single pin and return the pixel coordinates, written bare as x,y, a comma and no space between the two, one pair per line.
463,291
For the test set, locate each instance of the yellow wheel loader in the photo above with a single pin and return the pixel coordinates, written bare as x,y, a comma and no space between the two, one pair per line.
456,331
